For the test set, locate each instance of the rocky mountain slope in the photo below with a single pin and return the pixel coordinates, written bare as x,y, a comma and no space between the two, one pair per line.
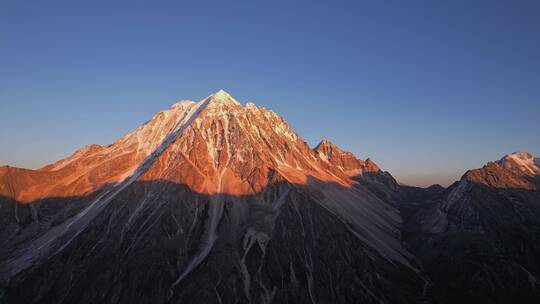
479,240
208,202
216,202
366,173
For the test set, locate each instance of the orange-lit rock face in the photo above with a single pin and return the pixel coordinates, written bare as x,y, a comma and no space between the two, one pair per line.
225,147
339,158
93,167
370,166
236,150
496,176
517,170
343,160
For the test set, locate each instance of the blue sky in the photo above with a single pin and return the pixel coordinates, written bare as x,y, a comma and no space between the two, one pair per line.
427,89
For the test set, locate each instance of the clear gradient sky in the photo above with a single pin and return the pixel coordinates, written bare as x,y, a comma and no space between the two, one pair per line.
427,89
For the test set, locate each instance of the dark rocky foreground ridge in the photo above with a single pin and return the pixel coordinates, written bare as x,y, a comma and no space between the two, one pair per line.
301,254
215,202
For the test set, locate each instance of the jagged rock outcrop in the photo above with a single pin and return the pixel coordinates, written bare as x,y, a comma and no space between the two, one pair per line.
367,173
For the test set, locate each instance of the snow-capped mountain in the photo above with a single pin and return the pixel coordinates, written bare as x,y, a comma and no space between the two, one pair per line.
207,202
521,163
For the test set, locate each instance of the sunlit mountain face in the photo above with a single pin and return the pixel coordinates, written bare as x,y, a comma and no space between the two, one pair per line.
217,202
207,202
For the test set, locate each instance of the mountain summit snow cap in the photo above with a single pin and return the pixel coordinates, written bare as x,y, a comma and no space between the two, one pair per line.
221,97
523,162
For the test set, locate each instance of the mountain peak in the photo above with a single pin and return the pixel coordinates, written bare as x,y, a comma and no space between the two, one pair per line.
222,94
371,166
325,143
345,160
221,97
520,154
327,149
522,162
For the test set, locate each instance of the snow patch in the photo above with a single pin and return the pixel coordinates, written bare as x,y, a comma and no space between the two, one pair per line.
282,129
525,162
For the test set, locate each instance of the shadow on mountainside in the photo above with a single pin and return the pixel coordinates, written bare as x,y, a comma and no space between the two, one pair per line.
490,249
280,244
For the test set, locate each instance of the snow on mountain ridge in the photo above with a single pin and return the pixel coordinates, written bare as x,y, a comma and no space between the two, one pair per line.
522,162
221,97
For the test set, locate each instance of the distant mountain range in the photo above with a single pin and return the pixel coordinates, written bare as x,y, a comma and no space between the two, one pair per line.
216,202
480,239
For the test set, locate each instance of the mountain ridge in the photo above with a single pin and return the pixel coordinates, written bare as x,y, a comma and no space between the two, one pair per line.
232,178
478,239
218,202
